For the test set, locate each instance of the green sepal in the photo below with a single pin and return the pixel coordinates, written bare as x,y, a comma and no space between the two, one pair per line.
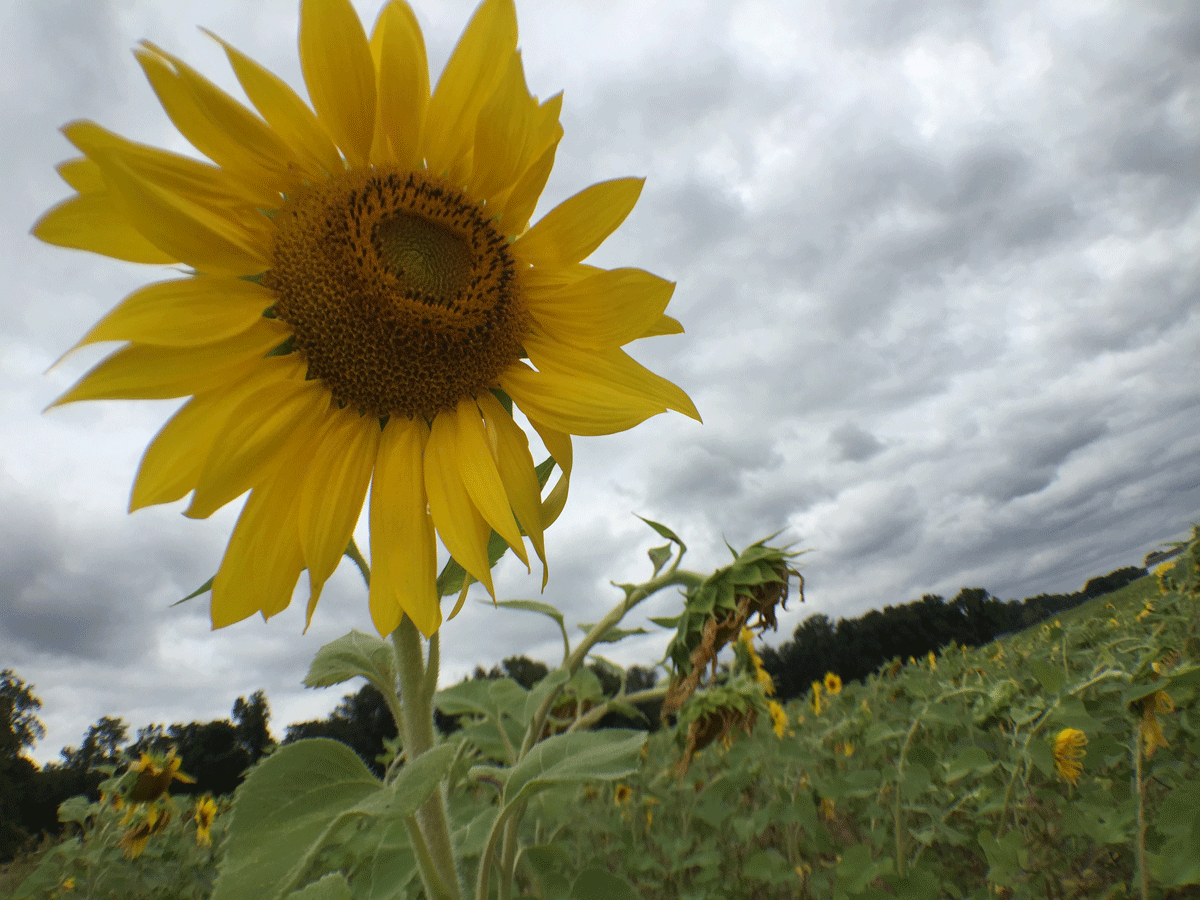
204,588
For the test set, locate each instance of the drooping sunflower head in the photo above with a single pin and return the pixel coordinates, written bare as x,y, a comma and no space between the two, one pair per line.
368,306
1069,750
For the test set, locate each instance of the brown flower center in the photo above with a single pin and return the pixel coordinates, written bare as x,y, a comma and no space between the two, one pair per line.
400,291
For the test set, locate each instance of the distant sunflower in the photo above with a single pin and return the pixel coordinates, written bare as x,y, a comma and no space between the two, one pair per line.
1069,749
833,684
366,302
205,813
779,718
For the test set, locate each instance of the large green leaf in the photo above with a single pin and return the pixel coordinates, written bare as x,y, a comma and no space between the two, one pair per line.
294,803
575,756
354,655
283,809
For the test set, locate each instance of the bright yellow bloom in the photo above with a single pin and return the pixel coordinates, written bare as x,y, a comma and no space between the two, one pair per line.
779,718
155,776
68,884
206,812
833,684
366,296
815,700
761,675
1068,751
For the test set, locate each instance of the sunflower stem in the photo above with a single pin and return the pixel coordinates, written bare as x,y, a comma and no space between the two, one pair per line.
417,682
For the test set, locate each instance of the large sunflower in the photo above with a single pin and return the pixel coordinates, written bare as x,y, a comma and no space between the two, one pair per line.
365,299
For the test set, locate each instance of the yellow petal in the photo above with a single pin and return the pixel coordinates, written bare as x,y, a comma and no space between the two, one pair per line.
138,372
471,75
606,309
664,325
97,223
186,231
332,493
573,403
217,125
501,133
336,60
516,205
263,428
464,531
611,367
578,225
289,116
398,50
173,461
477,467
263,559
515,465
83,175
403,548
184,312
201,183
558,444
244,141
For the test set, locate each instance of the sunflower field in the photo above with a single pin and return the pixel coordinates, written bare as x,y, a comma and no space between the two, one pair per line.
1058,762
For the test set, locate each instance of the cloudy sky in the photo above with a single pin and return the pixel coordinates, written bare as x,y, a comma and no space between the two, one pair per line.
937,262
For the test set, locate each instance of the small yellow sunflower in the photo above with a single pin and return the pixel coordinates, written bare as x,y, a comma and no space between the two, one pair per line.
155,776
833,684
206,812
366,302
779,718
622,794
815,699
1068,751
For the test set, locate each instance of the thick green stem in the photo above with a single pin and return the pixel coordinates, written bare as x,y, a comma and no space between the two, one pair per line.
417,683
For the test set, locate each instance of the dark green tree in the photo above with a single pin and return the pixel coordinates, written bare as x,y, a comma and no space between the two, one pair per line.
101,745
361,721
20,729
251,718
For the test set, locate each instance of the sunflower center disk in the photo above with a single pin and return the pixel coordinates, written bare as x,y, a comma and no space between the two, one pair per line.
400,291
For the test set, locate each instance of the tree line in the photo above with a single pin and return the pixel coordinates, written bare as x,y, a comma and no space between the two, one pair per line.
217,754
